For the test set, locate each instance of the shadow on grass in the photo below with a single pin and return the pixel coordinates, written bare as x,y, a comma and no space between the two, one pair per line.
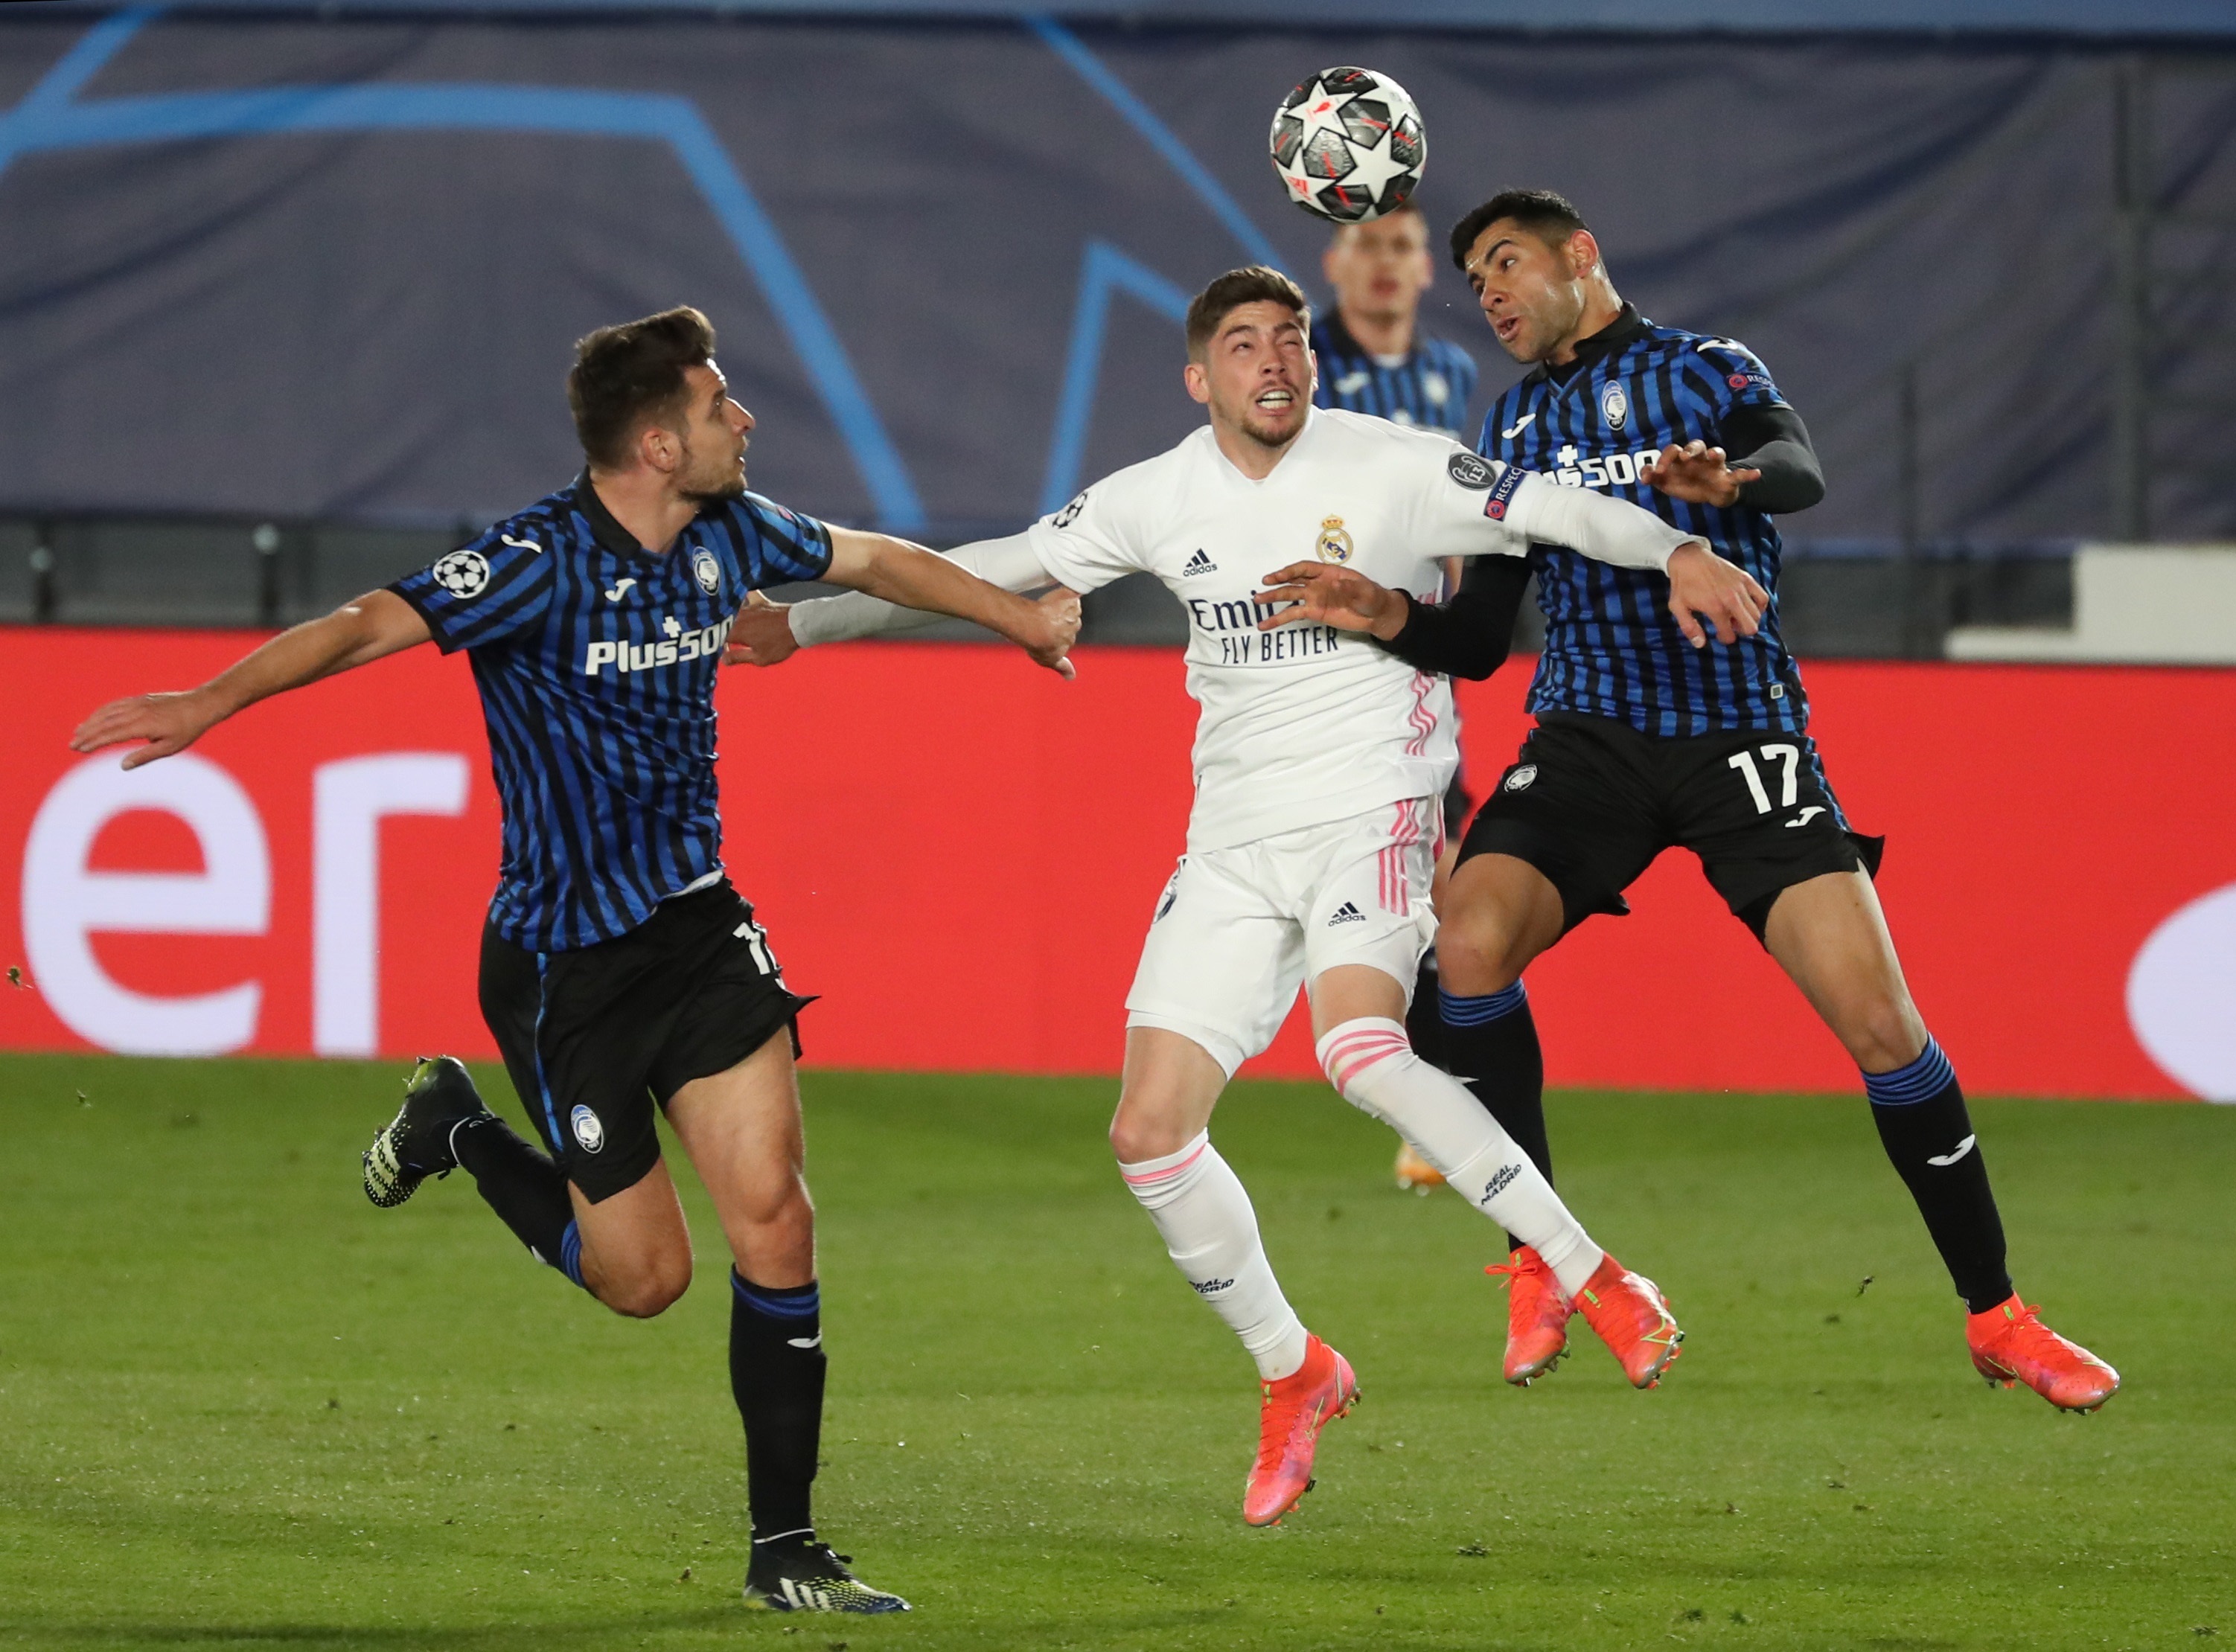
485,1638
1129,1629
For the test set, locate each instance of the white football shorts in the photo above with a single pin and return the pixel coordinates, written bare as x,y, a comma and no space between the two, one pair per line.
1238,930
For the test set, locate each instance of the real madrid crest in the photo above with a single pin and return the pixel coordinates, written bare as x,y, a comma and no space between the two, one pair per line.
1614,406
1334,544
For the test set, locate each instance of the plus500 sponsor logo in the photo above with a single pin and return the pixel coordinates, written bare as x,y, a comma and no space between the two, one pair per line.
1617,469
649,656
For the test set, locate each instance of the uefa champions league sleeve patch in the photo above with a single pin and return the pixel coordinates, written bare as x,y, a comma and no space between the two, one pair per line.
1471,470
464,574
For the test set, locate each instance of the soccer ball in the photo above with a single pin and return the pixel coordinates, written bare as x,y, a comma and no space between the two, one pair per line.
1349,145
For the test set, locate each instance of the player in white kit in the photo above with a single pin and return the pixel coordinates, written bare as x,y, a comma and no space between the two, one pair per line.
1320,759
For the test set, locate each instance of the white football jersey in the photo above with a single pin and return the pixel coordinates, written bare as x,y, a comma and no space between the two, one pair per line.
1304,723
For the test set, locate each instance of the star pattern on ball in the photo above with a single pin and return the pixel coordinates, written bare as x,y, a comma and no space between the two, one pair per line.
1373,170
1348,144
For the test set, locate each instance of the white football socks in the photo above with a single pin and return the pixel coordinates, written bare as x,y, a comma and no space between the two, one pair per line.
1372,1063
1210,1233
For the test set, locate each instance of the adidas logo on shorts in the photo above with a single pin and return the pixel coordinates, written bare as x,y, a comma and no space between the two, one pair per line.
1198,564
1347,912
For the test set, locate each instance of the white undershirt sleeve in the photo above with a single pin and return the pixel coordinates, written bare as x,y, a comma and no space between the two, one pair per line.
1464,505
1009,563
1613,531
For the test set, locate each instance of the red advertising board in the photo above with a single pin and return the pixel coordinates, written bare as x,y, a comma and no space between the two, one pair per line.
960,853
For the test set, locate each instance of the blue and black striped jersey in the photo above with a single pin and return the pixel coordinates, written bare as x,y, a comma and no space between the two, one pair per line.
1611,648
597,660
1429,388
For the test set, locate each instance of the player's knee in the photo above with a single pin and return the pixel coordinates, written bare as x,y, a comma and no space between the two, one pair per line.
781,1202
1138,1134
649,1290
1477,951
1884,1033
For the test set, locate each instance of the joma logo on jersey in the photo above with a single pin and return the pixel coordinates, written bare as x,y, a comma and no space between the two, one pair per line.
650,656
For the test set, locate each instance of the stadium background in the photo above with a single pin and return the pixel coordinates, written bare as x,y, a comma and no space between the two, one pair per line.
287,294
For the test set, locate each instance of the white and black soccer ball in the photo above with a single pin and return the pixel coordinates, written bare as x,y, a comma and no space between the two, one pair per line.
1349,145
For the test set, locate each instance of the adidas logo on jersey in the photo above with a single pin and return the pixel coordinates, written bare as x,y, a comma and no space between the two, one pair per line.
1347,912
1198,564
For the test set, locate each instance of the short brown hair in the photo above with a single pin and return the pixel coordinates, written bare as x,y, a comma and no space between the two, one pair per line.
630,376
1255,285
1552,218
1403,209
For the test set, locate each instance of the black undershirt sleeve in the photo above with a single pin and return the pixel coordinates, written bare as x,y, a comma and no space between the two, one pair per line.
1773,441
1471,635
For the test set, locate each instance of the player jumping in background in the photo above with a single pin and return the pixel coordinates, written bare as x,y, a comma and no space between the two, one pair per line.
618,966
1317,765
1374,356
1642,744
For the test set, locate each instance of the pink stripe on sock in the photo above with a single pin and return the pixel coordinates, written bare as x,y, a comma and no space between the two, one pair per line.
1353,1053
1167,1174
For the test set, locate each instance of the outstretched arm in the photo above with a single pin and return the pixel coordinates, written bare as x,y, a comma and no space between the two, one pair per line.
1775,470
377,624
893,570
768,633
1702,585
1468,636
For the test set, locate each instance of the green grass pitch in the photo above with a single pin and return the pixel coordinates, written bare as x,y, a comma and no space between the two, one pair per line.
242,1407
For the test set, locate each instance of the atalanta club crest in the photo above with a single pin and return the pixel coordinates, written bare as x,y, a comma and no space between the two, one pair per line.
707,571
590,1133
1614,406
1334,544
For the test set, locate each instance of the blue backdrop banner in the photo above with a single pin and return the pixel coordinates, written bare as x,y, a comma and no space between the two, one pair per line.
273,263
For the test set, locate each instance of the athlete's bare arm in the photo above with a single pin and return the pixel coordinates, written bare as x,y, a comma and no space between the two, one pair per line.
894,571
377,624
768,633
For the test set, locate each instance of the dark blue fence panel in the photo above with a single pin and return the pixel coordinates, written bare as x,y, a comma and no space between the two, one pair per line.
333,268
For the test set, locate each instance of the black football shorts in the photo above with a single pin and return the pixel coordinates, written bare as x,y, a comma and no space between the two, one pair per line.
1590,802
594,1037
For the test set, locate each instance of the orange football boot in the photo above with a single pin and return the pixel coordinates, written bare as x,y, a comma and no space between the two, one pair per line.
1416,1174
1632,1317
2009,1344
1295,1410
1536,1317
